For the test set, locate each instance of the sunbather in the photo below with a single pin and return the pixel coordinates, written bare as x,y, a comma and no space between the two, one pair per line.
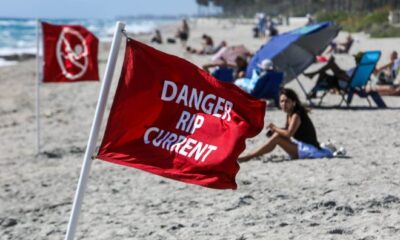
387,90
248,84
387,78
239,66
298,138
387,73
157,38
207,46
337,80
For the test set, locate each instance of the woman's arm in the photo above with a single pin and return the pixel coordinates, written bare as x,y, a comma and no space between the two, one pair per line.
294,124
386,66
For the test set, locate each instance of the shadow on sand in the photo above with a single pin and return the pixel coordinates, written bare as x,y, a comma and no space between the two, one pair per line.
283,158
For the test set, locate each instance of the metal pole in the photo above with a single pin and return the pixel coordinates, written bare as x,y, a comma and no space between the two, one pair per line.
38,83
101,105
301,86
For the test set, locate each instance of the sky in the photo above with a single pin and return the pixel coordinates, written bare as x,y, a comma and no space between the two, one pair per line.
94,8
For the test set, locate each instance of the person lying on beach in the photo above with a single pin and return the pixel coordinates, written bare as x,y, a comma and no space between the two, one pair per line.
207,46
239,67
337,80
248,84
298,138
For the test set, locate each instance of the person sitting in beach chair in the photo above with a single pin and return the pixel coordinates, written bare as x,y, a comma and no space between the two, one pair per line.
331,76
342,47
264,83
298,138
356,82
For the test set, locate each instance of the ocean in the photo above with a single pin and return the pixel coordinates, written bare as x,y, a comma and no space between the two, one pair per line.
18,36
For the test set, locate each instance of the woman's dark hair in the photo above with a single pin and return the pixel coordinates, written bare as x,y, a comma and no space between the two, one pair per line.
292,95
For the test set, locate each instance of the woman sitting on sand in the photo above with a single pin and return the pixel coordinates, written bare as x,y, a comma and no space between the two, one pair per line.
298,138
157,38
388,79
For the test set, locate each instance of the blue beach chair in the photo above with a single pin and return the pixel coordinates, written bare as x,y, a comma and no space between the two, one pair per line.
358,81
360,78
265,86
224,74
268,85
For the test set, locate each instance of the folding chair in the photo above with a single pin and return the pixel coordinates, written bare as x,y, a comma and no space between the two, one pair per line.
268,86
358,81
265,86
224,74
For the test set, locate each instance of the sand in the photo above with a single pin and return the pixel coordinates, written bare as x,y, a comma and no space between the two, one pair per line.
356,197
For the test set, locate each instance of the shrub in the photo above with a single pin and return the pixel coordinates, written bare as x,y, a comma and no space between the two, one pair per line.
374,23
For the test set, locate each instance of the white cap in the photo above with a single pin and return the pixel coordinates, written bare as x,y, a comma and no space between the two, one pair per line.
266,64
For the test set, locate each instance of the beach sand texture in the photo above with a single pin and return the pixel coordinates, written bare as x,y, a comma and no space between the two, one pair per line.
357,197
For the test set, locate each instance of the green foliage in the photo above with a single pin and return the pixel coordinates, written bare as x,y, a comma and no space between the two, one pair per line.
374,23
385,30
338,17
353,15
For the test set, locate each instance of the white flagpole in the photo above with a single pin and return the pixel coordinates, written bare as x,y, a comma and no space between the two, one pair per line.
38,83
101,105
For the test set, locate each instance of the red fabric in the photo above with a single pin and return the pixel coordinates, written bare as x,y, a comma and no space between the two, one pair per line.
142,110
70,54
321,59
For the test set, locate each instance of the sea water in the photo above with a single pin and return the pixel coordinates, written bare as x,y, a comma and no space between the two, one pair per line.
18,36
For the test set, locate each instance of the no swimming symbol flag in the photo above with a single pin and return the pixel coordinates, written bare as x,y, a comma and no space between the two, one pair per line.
70,53
173,119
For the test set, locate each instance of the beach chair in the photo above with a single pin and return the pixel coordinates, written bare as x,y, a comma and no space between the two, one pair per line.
358,82
224,74
264,86
268,86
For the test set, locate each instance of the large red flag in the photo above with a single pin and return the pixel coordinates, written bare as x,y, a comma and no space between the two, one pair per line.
173,119
70,53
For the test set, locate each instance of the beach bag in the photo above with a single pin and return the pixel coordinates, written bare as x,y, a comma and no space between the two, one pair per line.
171,40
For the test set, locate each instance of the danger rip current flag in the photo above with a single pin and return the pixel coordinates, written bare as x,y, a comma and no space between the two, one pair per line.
70,53
173,119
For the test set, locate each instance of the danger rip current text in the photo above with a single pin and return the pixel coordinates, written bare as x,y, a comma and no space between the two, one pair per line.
191,98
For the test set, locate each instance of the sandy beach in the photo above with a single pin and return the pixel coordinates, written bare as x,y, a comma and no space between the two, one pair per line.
353,197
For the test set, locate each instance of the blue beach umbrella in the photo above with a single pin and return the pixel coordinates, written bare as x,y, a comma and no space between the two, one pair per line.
294,51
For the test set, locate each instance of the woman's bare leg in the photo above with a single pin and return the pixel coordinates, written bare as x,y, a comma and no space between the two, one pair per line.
387,90
285,143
